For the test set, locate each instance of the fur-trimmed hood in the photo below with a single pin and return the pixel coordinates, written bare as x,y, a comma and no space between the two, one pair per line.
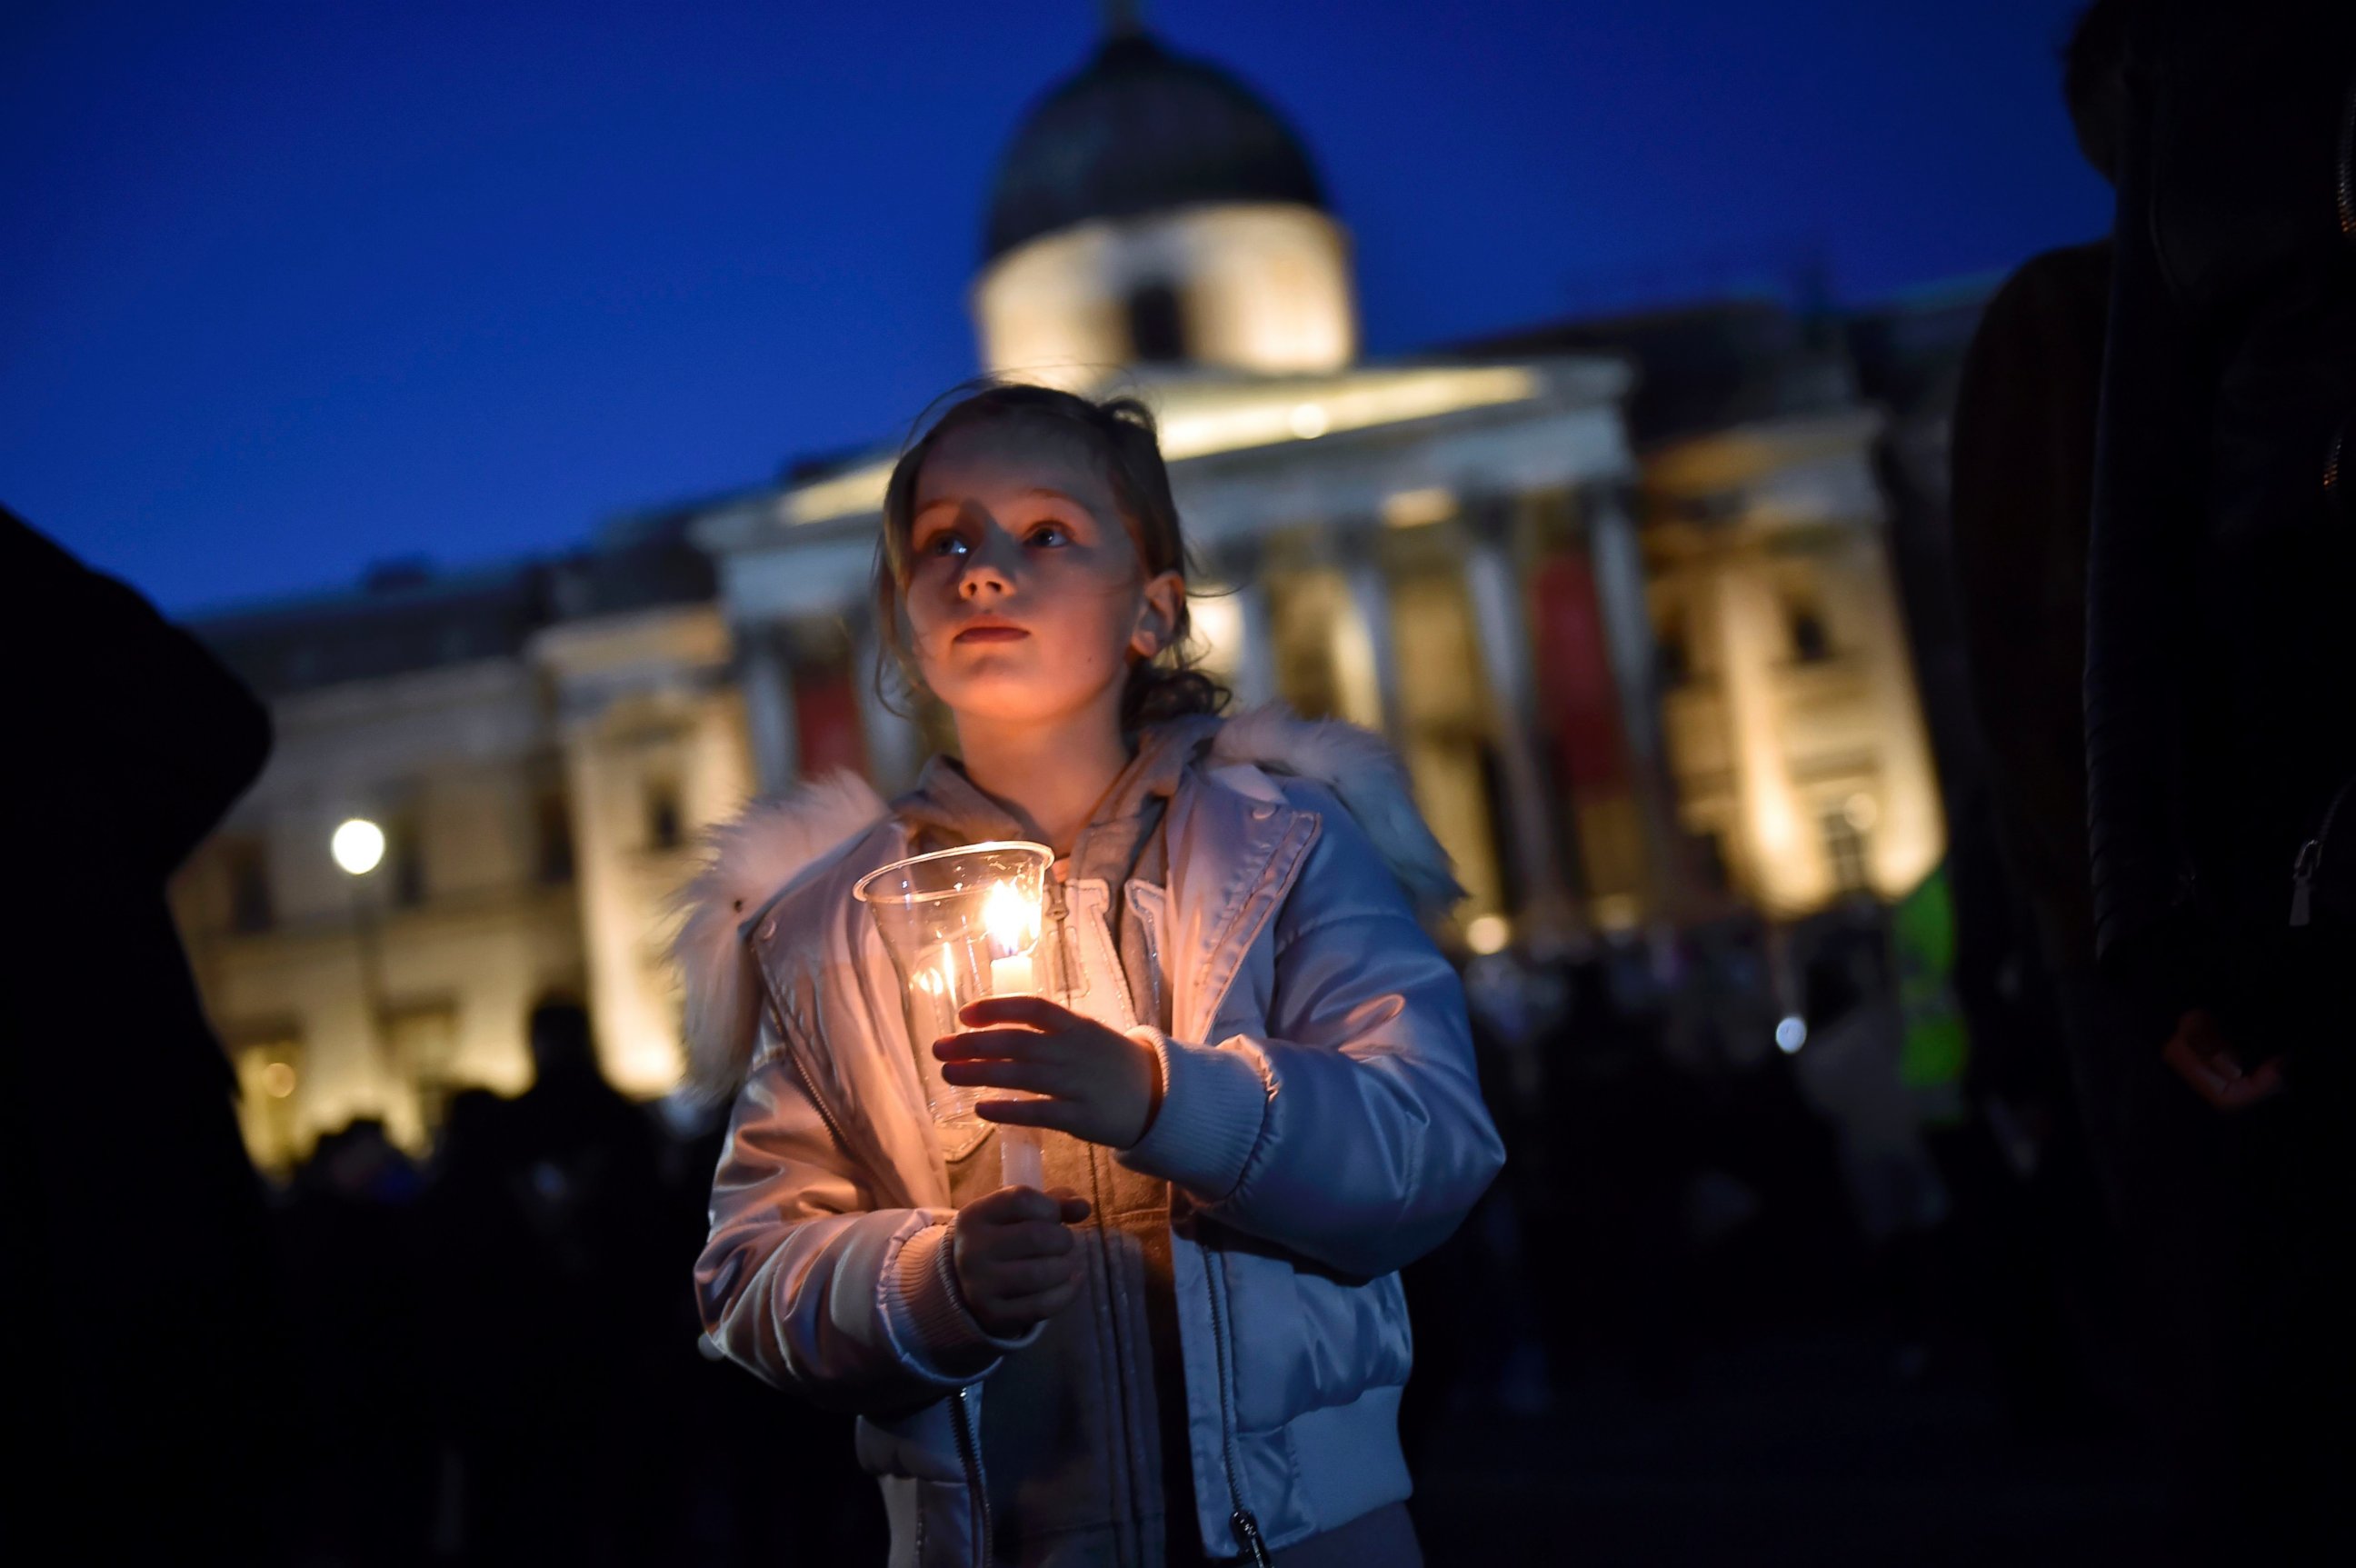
755,858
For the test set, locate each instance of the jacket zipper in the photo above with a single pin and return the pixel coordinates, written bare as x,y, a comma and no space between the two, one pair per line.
818,1100
2310,858
970,1451
1066,972
1246,1526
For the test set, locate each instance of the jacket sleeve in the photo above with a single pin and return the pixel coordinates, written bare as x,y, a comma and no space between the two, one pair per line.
811,1286
1353,1132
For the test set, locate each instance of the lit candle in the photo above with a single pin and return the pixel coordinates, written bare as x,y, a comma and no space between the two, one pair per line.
1013,976
1012,923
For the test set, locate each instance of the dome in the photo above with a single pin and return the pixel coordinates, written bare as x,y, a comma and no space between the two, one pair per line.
1140,130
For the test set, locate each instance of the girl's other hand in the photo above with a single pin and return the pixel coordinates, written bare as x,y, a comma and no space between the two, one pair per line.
1092,1082
1015,1262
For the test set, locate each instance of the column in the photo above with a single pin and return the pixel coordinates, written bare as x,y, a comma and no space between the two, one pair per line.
1364,657
633,1039
1782,860
1910,837
1502,630
1617,557
1255,672
894,746
768,708
1252,675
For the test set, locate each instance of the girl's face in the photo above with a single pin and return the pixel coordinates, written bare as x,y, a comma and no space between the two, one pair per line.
1025,593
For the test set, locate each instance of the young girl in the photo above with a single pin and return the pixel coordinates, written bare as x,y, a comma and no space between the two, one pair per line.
1253,1069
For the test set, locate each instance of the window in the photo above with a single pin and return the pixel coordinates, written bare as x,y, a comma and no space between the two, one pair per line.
1710,867
1157,325
404,863
662,815
1844,850
551,829
1672,654
1810,642
247,867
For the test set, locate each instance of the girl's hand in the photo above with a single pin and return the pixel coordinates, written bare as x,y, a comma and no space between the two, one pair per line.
1015,1262
1093,1082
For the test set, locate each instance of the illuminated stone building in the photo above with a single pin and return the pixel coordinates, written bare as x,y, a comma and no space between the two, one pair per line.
540,745
1618,591
1500,554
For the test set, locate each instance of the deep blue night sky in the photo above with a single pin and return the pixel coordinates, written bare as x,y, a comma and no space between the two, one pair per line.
293,287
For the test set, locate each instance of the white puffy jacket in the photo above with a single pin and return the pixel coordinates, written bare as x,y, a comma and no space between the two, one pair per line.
1321,1127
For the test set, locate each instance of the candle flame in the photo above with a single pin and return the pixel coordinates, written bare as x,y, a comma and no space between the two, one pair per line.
1012,920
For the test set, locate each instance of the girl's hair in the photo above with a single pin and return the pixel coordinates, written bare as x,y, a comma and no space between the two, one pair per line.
1119,432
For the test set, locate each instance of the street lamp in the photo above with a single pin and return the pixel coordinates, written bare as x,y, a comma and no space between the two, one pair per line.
357,847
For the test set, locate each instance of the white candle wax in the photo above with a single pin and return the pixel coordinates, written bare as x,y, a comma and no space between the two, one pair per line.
1021,1161
1013,976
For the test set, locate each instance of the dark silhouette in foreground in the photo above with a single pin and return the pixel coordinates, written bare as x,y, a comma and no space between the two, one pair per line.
142,1340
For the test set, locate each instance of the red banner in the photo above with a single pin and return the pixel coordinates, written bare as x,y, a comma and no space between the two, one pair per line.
1578,700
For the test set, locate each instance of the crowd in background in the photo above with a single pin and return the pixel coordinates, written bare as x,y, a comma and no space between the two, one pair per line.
496,1354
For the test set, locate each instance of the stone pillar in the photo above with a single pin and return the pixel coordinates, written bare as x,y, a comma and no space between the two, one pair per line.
1616,555
634,1038
894,746
1252,679
1910,839
1255,674
1501,626
1364,655
1781,859
768,708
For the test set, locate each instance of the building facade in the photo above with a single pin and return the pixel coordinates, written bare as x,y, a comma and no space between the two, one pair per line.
1619,592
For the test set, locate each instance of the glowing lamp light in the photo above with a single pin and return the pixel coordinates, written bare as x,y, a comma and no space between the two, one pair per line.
1309,420
357,846
1486,934
1791,1034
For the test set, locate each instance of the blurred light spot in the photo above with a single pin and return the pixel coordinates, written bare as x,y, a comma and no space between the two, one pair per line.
1485,934
1219,628
278,1080
1791,1034
357,846
1415,508
1310,422
1616,912
1862,811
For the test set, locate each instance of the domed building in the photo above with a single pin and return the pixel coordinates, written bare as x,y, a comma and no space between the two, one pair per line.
1152,209
1485,554
1619,592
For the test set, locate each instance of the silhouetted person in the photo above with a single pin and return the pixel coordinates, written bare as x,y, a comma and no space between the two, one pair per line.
355,1288
140,1348
557,1213
2023,471
2221,679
